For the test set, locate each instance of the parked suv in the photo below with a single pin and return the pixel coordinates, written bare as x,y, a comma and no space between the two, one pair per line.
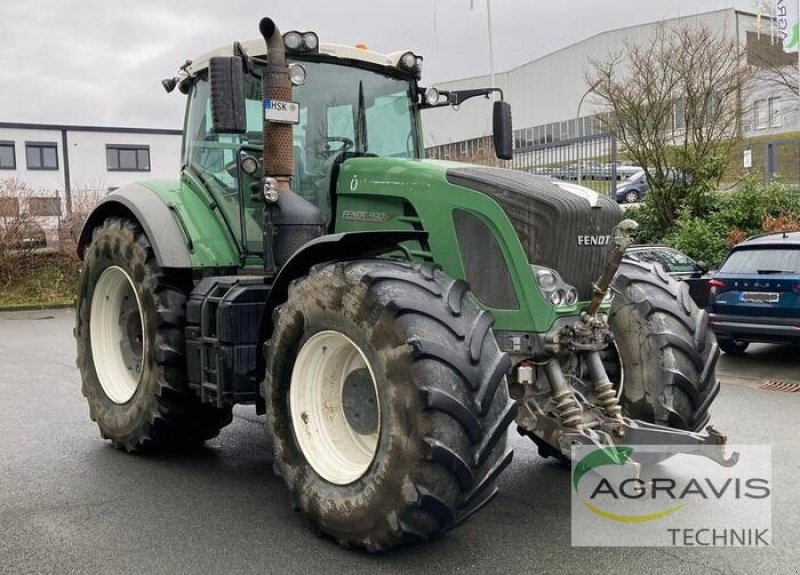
755,295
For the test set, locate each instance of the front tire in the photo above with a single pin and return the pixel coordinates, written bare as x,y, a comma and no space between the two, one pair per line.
665,354
415,342
129,331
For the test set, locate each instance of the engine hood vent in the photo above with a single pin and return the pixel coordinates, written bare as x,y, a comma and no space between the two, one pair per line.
560,225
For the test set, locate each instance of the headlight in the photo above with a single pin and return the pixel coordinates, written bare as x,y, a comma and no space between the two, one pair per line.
432,96
408,61
249,165
547,279
292,40
572,297
310,40
554,289
301,41
297,73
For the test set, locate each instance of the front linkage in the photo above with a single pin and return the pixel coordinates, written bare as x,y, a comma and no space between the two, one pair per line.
599,421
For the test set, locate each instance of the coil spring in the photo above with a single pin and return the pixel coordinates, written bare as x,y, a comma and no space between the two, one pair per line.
569,409
606,398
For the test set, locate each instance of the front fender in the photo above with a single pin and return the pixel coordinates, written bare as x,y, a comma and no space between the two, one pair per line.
328,248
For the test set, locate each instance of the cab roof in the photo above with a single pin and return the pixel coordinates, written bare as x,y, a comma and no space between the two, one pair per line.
257,48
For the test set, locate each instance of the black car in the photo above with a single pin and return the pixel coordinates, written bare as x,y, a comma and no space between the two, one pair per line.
755,295
678,265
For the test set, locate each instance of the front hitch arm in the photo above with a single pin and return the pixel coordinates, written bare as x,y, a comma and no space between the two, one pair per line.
629,432
637,432
623,238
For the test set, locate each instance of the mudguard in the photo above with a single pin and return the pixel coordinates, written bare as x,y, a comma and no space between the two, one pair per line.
328,248
142,204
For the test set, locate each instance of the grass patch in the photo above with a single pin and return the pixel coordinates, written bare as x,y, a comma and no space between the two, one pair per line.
50,278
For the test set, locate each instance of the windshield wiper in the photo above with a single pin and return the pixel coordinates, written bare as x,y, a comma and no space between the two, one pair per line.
765,272
361,122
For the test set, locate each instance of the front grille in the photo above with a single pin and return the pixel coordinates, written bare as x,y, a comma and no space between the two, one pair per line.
549,221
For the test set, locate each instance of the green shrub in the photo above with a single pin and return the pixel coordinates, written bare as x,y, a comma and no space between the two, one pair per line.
750,209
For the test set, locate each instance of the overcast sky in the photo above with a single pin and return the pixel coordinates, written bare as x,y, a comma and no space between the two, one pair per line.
100,62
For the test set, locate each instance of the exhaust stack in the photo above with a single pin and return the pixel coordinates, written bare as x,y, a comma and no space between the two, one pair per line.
277,85
290,221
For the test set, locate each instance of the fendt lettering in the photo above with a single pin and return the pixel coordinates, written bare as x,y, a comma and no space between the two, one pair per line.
377,305
594,240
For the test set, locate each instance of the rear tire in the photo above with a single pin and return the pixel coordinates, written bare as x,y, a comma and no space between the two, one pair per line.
436,445
632,196
732,346
129,331
666,350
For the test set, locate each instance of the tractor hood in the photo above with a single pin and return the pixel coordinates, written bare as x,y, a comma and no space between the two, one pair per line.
559,225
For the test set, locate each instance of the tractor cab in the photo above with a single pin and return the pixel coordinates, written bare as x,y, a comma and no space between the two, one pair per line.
351,102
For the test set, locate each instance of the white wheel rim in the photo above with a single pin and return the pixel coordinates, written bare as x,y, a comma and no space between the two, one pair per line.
330,444
115,320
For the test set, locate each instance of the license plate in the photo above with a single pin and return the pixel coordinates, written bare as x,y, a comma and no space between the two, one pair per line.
760,297
282,112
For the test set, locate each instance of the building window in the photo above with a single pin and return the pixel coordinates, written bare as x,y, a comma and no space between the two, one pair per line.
41,155
123,158
775,117
8,159
760,117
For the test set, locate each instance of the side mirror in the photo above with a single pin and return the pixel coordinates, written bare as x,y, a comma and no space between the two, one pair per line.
501,130
702,267
226,80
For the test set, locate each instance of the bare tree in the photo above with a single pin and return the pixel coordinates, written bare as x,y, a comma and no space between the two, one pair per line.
20,234
674,103
765,50
772,66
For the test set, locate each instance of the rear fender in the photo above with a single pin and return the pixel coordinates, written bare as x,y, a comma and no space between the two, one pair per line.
142,205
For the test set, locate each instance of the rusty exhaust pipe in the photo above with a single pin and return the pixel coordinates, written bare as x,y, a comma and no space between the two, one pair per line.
278,142
290,221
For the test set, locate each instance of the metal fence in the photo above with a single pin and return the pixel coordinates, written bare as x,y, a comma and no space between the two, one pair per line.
589,160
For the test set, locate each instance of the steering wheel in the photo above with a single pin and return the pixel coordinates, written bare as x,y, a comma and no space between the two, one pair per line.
347,144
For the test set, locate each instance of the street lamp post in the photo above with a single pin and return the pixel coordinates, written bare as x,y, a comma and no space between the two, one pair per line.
577,118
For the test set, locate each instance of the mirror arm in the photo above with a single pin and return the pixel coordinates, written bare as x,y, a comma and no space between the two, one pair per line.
457,97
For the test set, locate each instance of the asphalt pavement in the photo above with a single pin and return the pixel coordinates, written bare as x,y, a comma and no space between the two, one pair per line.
70,503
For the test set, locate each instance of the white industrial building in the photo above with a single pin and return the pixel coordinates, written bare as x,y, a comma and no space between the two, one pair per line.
546,93
67,160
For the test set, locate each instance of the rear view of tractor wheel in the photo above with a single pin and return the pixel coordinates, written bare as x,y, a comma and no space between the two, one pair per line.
664,354
387,401
129,331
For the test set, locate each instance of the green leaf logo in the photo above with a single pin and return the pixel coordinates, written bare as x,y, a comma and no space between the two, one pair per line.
602,456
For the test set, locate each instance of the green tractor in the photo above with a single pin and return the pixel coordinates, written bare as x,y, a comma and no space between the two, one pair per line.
392,316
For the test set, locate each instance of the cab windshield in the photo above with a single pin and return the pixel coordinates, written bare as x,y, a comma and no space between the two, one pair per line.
344,111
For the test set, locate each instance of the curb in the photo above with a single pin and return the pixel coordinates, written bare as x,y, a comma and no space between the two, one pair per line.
36,307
